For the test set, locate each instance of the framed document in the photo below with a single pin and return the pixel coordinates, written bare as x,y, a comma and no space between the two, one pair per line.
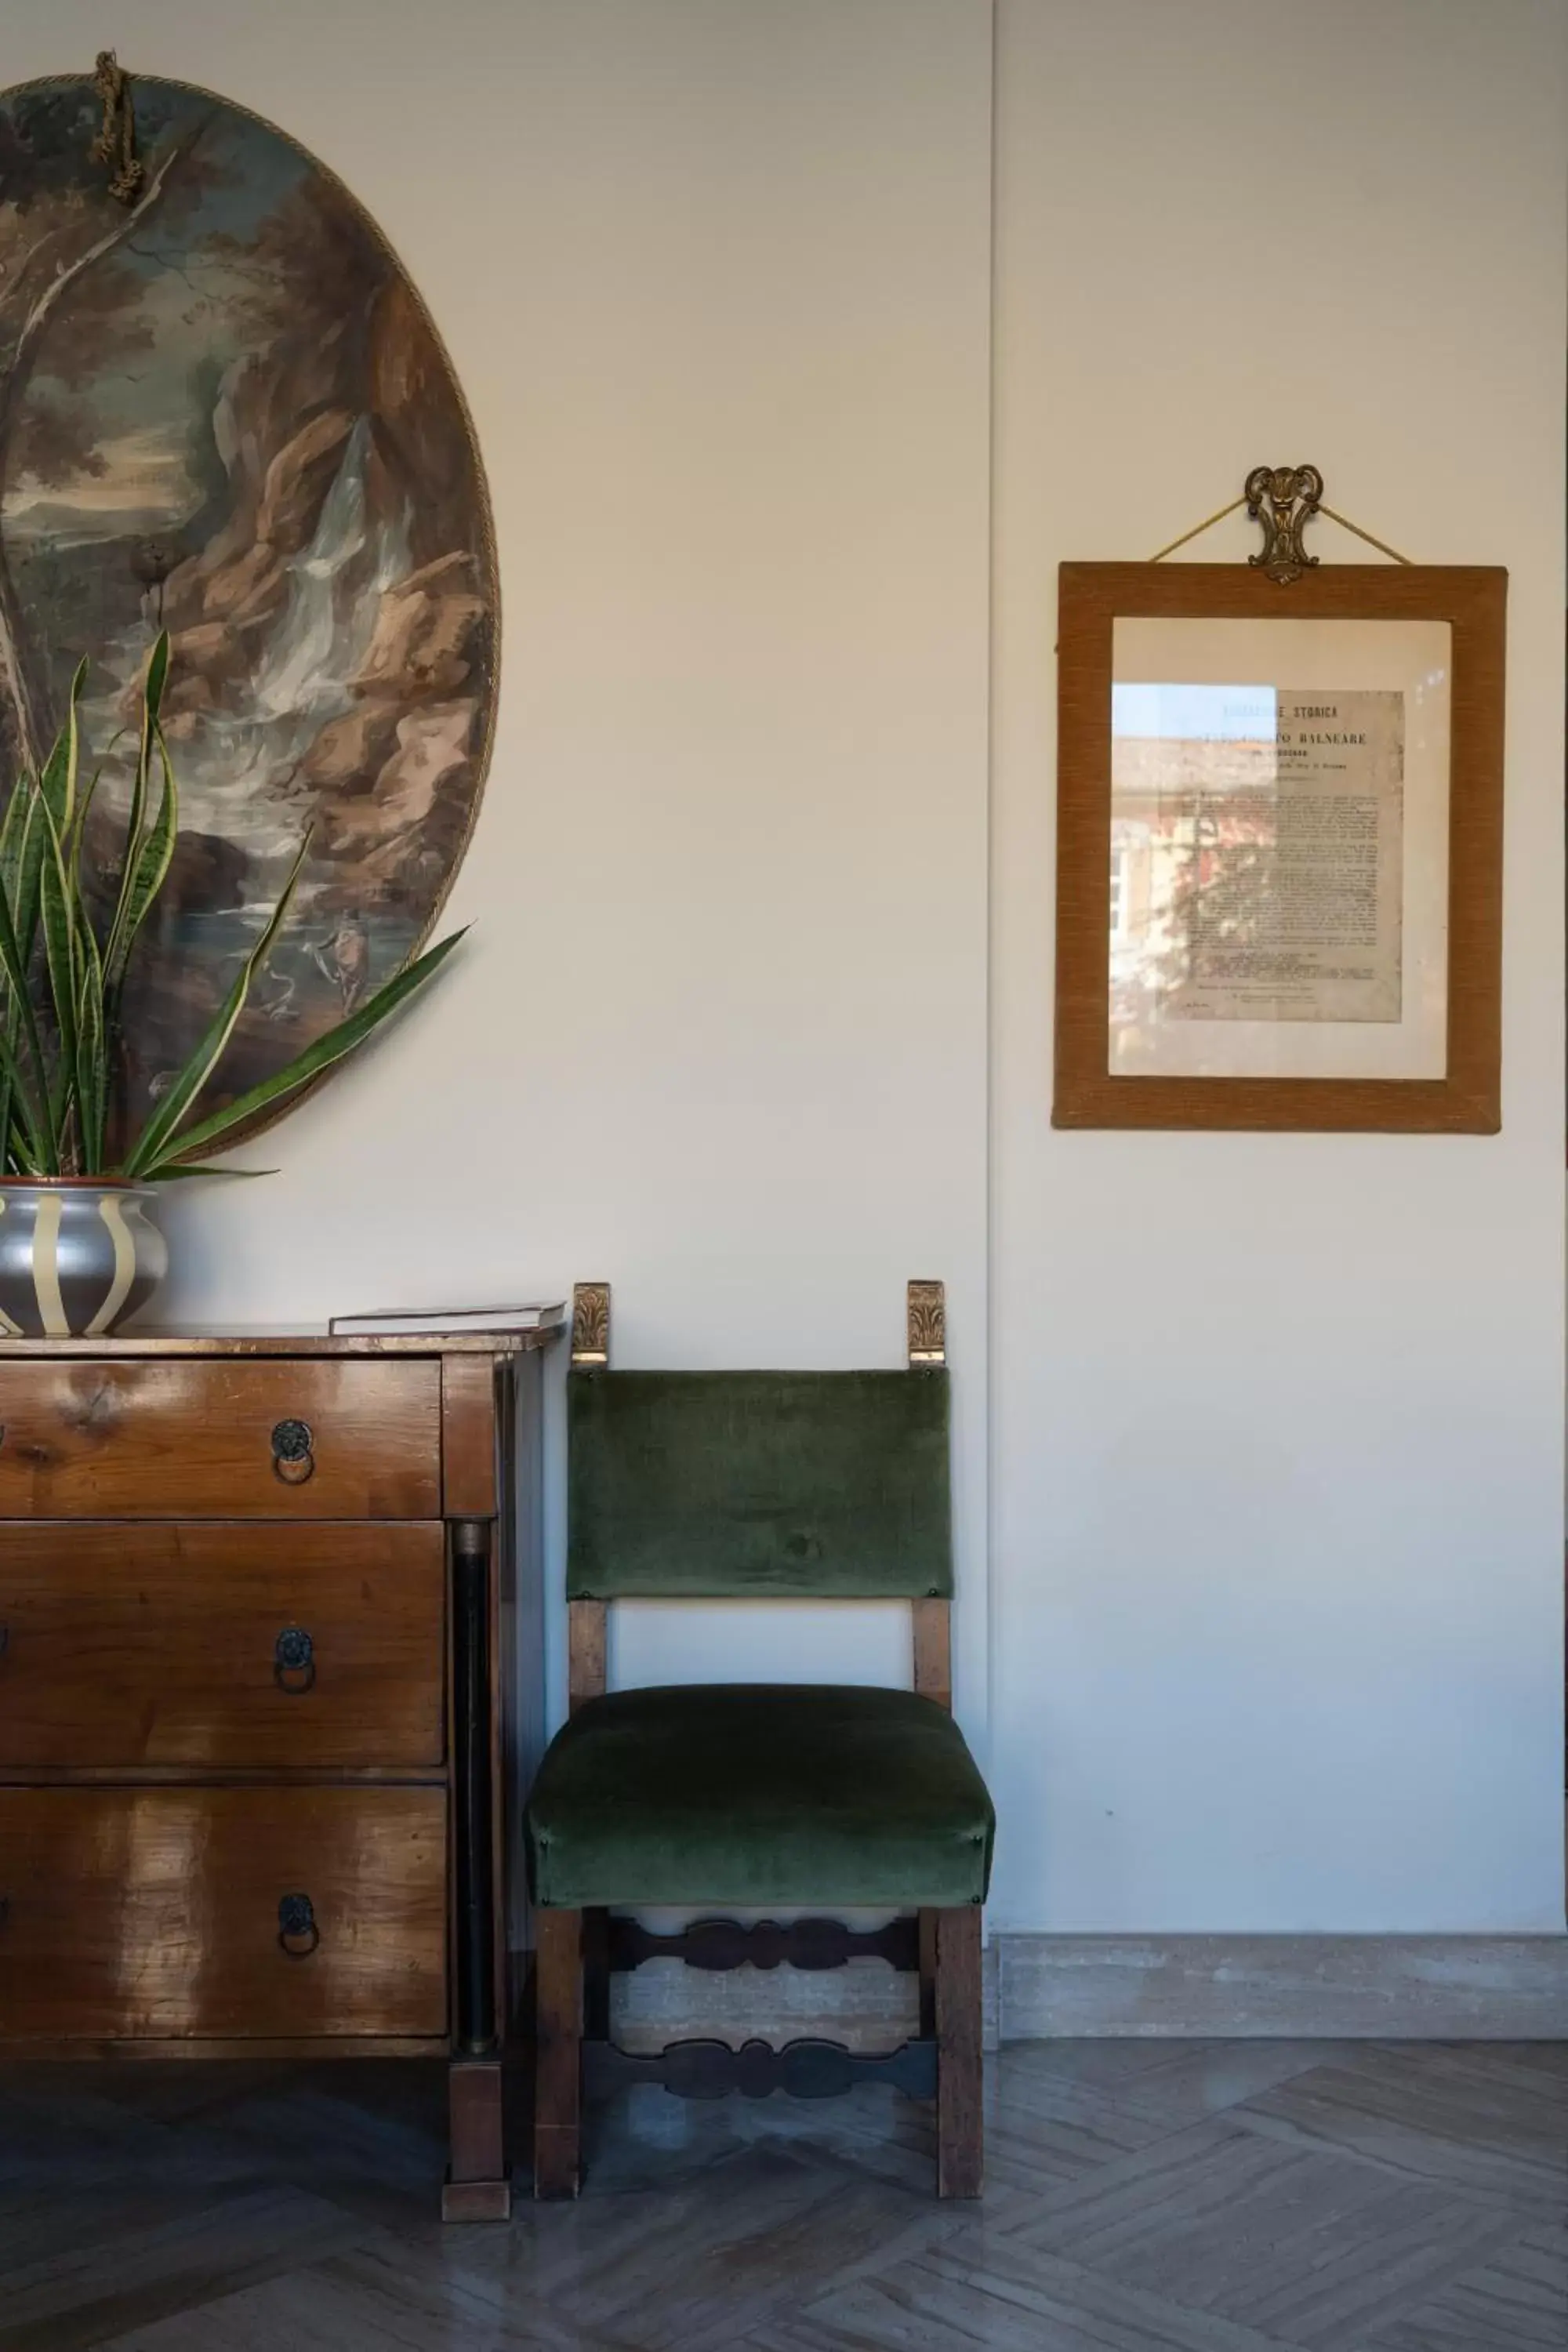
1280,847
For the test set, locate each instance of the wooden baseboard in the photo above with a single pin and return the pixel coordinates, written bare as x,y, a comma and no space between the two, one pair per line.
1395,1988
1036,1987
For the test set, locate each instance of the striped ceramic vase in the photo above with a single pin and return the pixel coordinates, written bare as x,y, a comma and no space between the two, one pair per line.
76,1256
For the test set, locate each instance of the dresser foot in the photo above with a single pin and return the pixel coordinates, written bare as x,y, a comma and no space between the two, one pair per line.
476,2200
477,2186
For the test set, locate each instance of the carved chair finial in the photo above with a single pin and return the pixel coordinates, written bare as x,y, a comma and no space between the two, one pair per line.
590,1323
927,1323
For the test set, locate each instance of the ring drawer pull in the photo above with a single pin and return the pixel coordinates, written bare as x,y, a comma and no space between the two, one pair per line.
293,1459
294,1661
298,1934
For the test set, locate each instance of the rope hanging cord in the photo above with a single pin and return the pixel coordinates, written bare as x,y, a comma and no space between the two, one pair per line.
1343,520
116,141
1382,545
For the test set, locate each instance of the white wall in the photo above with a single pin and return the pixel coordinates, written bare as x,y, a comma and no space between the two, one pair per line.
716,279
1278,1419
1276,1441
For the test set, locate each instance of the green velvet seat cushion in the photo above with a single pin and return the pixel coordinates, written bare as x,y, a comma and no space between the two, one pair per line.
792,1795
819,1486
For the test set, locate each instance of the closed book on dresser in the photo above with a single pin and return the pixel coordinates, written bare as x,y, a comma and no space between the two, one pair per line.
262,1684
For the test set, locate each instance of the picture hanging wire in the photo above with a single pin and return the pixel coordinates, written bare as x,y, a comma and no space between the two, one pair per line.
1343,520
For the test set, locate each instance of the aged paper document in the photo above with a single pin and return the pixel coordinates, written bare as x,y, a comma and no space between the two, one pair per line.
1279,835
1289,908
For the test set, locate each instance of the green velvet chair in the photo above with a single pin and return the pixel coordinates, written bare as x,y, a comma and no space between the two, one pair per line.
796,1798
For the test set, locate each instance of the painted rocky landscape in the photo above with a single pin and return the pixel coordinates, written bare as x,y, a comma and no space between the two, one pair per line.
223,411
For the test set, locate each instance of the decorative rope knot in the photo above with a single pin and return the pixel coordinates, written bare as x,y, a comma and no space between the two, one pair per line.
116,140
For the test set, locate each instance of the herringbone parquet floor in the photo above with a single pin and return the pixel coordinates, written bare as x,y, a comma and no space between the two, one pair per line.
1207,2197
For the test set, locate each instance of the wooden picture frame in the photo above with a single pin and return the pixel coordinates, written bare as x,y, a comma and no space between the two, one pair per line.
1459,1089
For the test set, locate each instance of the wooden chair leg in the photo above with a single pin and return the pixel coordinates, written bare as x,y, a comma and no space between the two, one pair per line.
558,2053
927,1920
960,2125
597,1975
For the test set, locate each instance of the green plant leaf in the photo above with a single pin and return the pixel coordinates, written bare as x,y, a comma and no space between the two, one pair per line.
118,947
157,675
76,844
11,825
22,1113
150,1145
60,954
29,872
57,780
316,1057
50,819
38,1115
145,871
18,1150
92,1042
9,831
92,1024
53,788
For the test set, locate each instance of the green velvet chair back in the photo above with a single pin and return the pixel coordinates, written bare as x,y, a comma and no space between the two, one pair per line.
805,1485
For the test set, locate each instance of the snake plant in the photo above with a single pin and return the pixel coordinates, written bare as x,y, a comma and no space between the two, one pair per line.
63,972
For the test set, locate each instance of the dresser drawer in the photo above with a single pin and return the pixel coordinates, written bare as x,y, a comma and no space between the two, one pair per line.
139,1913
207,1645
289,1438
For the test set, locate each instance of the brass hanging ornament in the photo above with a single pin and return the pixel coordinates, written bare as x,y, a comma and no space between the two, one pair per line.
1283,499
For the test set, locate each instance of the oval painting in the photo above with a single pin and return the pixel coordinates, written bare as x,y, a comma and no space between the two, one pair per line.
224,411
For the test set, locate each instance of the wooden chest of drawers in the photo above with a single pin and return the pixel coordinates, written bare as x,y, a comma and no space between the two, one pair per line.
258,1639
